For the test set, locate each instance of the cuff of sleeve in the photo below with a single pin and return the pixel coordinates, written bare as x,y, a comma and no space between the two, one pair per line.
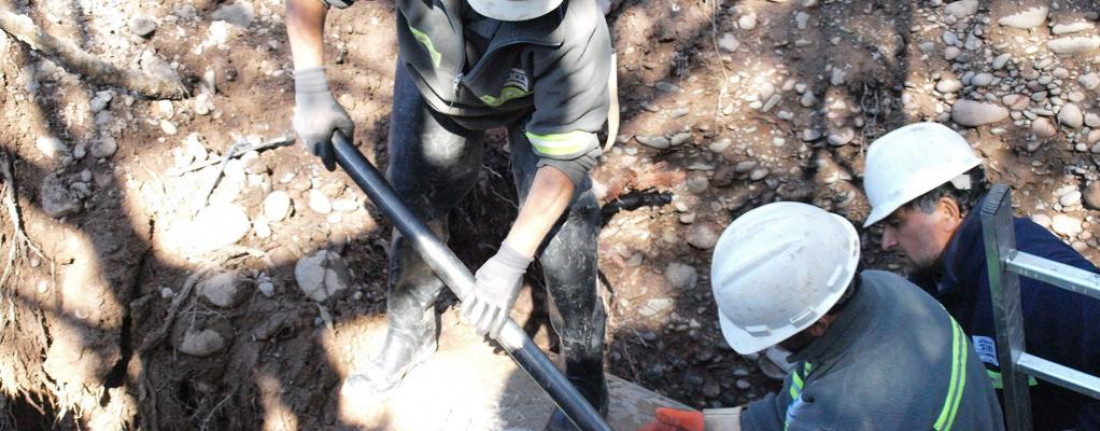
310,79
509,256
575,169
722,419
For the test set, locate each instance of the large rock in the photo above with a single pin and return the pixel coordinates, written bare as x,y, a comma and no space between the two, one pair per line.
50,146
1030,18
217,226
239,14
322,274
1074,45
973,113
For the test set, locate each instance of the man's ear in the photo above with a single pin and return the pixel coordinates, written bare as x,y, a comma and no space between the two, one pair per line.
950,212
820,326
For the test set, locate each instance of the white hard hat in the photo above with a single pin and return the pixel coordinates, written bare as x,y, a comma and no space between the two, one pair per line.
778,269
514,10
908,162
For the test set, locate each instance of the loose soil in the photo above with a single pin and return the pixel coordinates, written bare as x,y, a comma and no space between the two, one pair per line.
92,322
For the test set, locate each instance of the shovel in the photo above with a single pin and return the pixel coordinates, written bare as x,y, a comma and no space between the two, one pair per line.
455,274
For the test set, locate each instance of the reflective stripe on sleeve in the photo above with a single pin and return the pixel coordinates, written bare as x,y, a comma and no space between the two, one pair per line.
427,42
562,144
955,389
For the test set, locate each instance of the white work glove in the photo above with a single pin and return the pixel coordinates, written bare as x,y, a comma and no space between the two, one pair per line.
496,285
317,114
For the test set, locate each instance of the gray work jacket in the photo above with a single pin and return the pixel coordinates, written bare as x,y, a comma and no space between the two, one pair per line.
893,359
554,68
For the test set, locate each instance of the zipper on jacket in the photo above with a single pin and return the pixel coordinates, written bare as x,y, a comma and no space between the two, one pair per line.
456,89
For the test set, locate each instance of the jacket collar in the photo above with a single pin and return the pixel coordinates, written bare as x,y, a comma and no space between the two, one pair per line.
848,326
958,258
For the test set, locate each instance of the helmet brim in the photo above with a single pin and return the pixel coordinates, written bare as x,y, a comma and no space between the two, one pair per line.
513,10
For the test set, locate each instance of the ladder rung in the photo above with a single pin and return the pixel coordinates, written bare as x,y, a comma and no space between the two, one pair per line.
1059,374
1056,273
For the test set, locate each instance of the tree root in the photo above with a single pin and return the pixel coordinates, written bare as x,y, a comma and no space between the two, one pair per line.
76,60
20,239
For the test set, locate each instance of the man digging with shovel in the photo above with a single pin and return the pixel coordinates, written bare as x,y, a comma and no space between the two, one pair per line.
538,67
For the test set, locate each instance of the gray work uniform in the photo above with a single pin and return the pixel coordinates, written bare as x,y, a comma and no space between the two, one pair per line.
893,359
546,80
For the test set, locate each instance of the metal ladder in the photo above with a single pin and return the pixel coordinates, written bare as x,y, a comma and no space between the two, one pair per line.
1006,265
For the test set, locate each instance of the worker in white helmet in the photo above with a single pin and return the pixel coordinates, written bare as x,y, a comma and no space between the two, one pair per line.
924,183
540,68
871,350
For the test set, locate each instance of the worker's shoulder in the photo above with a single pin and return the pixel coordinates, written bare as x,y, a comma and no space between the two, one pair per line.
896,290
1037,240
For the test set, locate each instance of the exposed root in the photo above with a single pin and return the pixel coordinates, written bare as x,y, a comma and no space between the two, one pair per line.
76,60
20,241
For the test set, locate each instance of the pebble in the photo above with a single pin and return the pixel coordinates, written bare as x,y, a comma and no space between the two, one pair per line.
1041,219
104,147
949,85
1089,80
143,26
277,205
50,146
261,227
962,9
1094,138
1065,225
950,38
951,53
1026,19
712,389
202,343
697,182
1091,196
319,203
1074,45
759,174
655,142
1043,128
239,14
765,91
321,275
679,138
267,288
982,79
168,127
681,276
842,136
747,21
1016,102
1001,60
1072,27
1071,116
743,384
222,289
810,135
655,306
728,43
217,226
772,101
975,113
1092,120
807,100
1070,199
703,236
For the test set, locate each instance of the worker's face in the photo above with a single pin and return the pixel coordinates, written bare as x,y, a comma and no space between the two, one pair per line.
921,237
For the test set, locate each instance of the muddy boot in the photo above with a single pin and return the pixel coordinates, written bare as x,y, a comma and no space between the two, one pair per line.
412,321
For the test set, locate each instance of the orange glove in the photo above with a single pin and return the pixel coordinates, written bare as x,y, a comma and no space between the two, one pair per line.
675,420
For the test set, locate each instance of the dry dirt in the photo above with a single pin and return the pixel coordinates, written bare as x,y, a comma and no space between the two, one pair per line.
81,318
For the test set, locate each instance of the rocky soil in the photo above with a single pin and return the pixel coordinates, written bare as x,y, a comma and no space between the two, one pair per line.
186,266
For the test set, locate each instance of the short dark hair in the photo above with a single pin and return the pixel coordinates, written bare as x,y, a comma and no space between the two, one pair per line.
966,196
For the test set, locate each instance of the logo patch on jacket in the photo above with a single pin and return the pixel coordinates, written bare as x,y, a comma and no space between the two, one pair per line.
986,348
518,79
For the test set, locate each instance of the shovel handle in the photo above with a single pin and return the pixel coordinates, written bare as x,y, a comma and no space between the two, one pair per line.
458,278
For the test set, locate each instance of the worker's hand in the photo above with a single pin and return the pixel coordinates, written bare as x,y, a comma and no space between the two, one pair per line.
675,420
496,285
317,114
